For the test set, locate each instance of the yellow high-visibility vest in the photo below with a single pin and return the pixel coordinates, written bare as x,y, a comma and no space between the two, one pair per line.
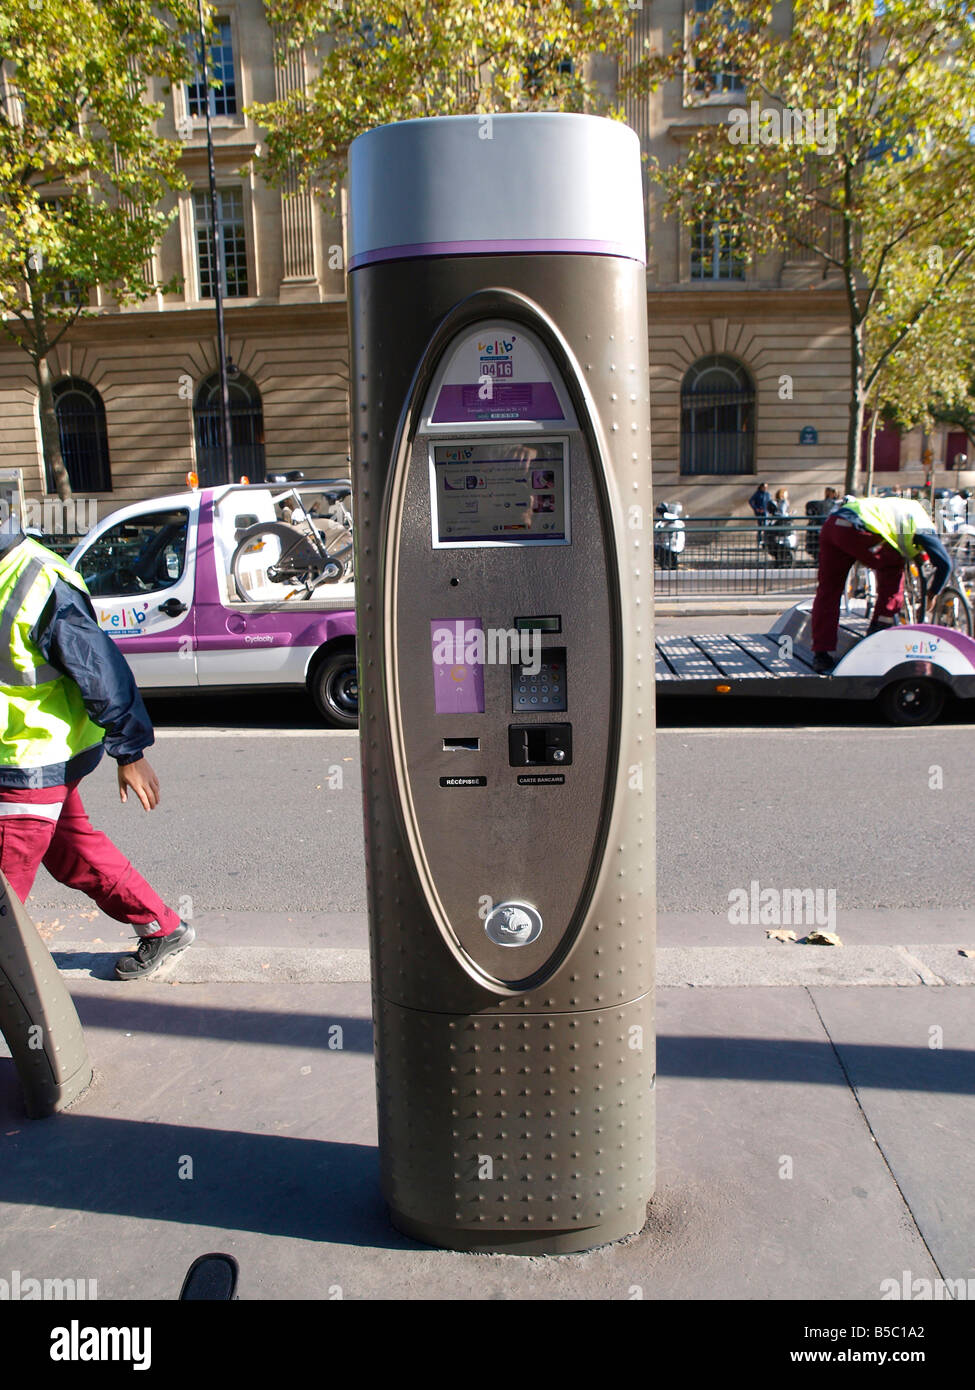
895,519
45,717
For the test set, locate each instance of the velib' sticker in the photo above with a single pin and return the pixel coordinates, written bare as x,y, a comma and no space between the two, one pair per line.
124,622
922,646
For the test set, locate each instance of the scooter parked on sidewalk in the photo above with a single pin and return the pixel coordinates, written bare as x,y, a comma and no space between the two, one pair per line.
669,537
780,538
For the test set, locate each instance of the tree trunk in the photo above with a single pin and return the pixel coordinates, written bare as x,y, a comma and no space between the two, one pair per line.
870,446
50,434
857,403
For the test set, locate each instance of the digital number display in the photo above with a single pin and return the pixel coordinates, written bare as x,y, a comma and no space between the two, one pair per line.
511,490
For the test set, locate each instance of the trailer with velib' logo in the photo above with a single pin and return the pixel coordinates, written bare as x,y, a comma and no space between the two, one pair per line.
911,669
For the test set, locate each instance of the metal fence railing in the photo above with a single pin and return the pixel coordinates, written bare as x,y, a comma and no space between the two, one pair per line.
737,555
740,555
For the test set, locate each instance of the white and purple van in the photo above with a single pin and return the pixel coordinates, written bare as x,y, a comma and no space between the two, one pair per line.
159,574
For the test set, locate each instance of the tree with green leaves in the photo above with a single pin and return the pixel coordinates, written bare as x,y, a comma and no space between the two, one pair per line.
399,59
82,170
919,367
851,140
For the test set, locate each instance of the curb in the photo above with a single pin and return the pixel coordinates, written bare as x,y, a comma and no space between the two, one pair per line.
692,967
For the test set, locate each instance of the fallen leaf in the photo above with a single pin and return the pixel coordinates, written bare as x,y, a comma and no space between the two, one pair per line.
780,934
821,938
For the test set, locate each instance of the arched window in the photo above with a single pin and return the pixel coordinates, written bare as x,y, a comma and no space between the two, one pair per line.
246,431
84,436
717,418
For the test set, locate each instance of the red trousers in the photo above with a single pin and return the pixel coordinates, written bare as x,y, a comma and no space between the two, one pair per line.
60,836
840,546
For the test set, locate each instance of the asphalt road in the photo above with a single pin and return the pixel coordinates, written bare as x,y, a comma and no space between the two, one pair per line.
261,808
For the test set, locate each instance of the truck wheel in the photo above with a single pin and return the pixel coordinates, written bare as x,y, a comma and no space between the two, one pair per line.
915,700
334,687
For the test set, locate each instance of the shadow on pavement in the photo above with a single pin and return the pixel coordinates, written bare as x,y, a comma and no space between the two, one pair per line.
270,1184
132,1012
939,1071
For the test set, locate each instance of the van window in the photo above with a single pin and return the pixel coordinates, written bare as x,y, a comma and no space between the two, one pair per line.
140,555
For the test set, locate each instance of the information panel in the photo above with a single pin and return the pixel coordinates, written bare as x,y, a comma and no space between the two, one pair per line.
505,491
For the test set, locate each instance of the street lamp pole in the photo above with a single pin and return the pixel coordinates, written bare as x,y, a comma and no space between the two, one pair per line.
225,433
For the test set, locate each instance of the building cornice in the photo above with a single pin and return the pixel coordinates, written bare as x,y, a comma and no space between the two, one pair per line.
265,319
689,301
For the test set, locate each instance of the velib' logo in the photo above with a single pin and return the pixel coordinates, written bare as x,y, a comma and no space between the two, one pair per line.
77,1343
125,621
495,357
923,646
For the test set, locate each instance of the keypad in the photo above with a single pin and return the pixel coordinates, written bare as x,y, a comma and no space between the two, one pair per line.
543,690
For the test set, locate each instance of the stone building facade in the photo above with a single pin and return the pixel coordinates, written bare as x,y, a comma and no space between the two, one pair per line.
749,358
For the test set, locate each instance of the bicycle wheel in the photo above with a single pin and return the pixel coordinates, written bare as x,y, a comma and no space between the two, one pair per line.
860,587
915,594
272,563
337,540
952,609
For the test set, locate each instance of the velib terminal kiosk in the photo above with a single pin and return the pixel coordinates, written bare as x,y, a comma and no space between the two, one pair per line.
504,576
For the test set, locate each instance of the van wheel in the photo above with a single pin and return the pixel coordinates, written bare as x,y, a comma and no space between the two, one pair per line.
334,687
915,700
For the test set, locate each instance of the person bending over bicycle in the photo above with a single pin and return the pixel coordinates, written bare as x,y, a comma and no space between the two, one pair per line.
881,533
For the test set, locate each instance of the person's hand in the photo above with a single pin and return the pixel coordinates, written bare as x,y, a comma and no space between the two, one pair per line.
140,778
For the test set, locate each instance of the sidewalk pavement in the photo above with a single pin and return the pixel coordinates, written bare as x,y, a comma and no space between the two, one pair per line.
816,1123
725,605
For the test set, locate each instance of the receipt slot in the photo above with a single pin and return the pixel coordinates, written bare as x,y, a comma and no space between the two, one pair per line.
504,574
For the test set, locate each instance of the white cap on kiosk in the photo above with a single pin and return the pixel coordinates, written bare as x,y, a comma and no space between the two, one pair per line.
477,185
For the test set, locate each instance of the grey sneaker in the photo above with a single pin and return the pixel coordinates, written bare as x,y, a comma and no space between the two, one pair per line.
153,951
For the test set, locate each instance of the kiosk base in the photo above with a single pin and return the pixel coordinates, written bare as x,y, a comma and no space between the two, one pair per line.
536,1242
526,1133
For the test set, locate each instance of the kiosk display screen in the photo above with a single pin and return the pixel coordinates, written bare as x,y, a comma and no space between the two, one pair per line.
511,490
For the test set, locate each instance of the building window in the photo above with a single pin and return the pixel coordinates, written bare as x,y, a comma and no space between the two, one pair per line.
246,431
223,99
716,253
84,436
717,426
723,82
67,293
231,242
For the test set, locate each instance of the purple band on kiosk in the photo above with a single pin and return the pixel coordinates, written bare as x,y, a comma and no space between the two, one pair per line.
528,247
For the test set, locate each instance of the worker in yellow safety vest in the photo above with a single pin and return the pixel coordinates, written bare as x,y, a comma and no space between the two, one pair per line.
68,695
880,532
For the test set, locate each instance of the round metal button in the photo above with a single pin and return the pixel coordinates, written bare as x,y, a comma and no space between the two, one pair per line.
513,924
